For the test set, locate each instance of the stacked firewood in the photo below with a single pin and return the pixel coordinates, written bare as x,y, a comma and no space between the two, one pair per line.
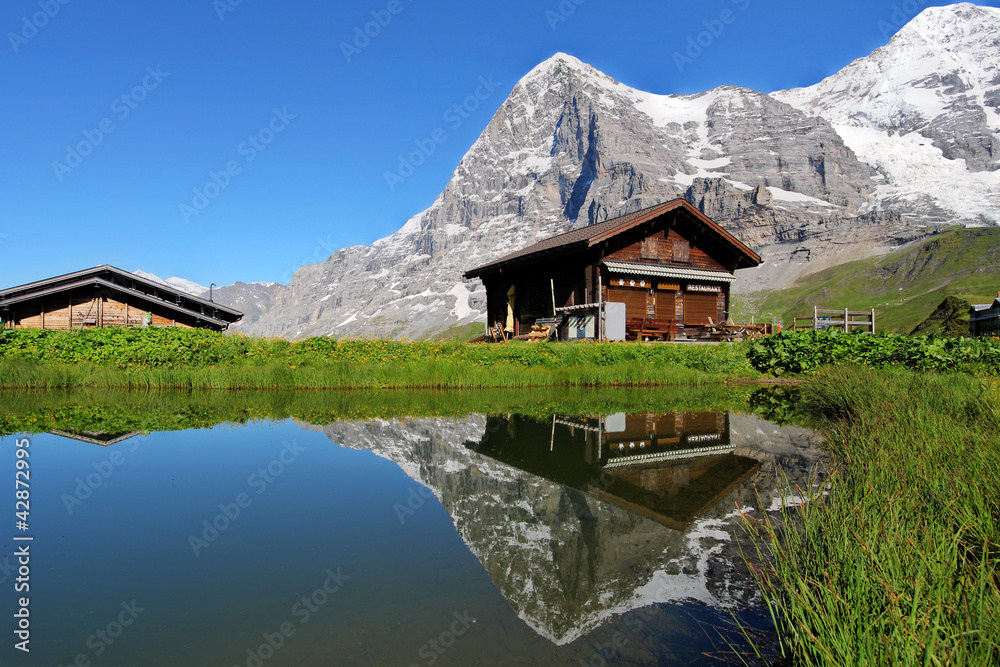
539,333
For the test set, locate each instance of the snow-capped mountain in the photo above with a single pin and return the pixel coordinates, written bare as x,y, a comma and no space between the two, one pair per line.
924,111
800,176
188,286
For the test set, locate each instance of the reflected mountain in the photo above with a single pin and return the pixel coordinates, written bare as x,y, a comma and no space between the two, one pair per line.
578,520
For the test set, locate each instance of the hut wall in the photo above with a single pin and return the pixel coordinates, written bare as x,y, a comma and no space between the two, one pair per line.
61,313
669,248
988,321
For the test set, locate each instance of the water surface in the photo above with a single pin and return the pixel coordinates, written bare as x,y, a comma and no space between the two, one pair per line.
299,538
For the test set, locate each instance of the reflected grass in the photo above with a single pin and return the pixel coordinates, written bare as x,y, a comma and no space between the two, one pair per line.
120,411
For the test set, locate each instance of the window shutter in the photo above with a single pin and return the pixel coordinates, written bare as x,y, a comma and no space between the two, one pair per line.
649,249
682,251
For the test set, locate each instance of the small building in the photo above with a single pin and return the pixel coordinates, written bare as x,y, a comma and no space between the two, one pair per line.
984,319
105,296
669,267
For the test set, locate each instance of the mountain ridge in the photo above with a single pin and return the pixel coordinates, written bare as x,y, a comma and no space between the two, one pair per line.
571,146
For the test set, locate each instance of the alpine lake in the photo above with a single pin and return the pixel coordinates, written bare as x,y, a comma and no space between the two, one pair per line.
558,527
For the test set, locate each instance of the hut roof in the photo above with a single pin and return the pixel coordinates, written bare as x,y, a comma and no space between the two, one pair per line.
118,280
589,236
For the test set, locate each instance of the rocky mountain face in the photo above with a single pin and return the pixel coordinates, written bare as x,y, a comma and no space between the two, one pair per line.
565,560
251,299
808,178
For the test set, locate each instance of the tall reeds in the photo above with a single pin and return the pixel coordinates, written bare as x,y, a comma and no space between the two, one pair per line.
898,563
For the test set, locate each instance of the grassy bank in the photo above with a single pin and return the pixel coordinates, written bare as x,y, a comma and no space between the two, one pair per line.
175,358
898,565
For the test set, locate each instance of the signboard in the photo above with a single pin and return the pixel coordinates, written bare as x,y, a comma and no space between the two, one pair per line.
703,288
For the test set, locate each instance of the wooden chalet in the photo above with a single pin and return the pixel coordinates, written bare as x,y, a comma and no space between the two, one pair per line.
105,296
984,319
668,268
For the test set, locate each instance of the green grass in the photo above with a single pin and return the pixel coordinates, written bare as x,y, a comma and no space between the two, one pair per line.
903,287
950,318
174,358
898,565
462,333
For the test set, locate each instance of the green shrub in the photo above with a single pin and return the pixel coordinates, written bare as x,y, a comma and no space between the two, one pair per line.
805,351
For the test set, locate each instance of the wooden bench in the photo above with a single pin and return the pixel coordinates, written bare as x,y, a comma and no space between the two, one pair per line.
632,329
650,329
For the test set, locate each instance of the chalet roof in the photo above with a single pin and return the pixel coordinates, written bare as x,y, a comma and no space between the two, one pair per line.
97,437
985,306
586,237
127,283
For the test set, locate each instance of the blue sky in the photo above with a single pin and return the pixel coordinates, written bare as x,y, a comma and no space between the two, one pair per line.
224,140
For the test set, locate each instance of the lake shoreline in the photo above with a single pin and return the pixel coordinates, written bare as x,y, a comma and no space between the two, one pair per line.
893,564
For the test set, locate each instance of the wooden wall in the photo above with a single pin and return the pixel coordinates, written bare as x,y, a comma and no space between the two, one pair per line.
669,248
65,313
667,299
987,327
535,284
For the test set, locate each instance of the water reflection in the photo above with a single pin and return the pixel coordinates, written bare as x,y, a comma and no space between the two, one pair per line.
596,538
579,520
97,437
670,468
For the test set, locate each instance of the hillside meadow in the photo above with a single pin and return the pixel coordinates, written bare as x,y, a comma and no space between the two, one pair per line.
903,287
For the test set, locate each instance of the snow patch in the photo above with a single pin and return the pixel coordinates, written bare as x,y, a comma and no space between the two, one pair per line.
796,197
462,308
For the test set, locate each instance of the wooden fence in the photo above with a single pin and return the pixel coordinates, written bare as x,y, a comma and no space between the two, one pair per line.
849,320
